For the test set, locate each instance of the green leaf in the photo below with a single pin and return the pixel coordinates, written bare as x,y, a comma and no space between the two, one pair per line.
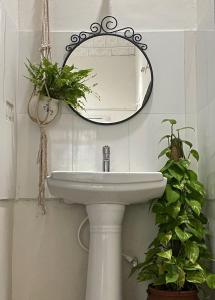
210,279
158,208
196,277
182,235
150,254
176,172
181,278
165,238
192,175
196,228
171,195
196,188
193,267
184,163
165,254
163,152
192,251
145,277
165,137
162,219
195,154
195,206
167,166
171,121
186,127
172,274
183,219
187,143
174,209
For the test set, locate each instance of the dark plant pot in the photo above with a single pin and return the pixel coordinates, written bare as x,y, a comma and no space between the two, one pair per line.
155,294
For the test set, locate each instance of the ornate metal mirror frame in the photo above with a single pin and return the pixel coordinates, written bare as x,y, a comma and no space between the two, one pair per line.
108,26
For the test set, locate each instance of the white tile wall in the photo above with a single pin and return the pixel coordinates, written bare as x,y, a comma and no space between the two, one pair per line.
205,120
168,65
75,144
205,14
48,263
205,107
6,229
140,14
8,76
7,160
145,131
52,265
2,55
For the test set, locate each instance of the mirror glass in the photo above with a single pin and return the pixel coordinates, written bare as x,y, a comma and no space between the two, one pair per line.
121,80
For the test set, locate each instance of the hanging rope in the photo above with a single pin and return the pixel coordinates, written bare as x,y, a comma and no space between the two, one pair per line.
40,112
45,40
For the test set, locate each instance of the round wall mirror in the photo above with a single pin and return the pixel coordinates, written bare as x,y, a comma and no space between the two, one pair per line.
121,79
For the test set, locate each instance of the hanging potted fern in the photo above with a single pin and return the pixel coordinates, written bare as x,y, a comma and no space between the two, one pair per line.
53,85
63,84
176,261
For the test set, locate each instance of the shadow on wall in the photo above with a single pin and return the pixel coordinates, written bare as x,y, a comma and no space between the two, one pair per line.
36,20
105,10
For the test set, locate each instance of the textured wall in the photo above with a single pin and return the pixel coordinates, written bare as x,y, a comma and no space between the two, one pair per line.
8,81
141,14
75,144
205,48
47,261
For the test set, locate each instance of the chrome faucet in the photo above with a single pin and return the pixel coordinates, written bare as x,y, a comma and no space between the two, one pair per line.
106,158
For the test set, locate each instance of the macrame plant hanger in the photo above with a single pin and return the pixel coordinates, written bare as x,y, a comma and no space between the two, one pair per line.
48,116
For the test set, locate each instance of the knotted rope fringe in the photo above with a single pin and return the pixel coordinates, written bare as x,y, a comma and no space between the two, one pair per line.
42,157
43,172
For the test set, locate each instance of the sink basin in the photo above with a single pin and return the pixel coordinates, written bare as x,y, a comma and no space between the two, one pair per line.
112,187
105,196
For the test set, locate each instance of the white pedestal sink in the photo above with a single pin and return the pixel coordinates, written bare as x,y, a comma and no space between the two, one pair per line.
105,196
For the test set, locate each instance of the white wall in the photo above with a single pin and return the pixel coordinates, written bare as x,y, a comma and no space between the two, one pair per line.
206,120
205,14
141,14
8,80
75,144
47,261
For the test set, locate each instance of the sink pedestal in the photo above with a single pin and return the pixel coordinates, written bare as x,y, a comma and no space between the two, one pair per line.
105,194
104,265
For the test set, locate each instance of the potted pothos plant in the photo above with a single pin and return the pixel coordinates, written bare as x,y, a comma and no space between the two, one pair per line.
176,261
66,84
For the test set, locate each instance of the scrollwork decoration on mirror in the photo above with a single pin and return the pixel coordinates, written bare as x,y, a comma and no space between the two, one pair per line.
108,25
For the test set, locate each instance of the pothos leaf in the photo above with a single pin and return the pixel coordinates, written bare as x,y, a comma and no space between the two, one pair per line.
171,121
165,137
165,238
192,251
186,127
163,152
195,206
165,254
172,274
195,154
182,235
196,277
171,195
211,281
187,143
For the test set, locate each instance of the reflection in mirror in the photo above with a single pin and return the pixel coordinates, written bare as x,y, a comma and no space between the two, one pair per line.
121,80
